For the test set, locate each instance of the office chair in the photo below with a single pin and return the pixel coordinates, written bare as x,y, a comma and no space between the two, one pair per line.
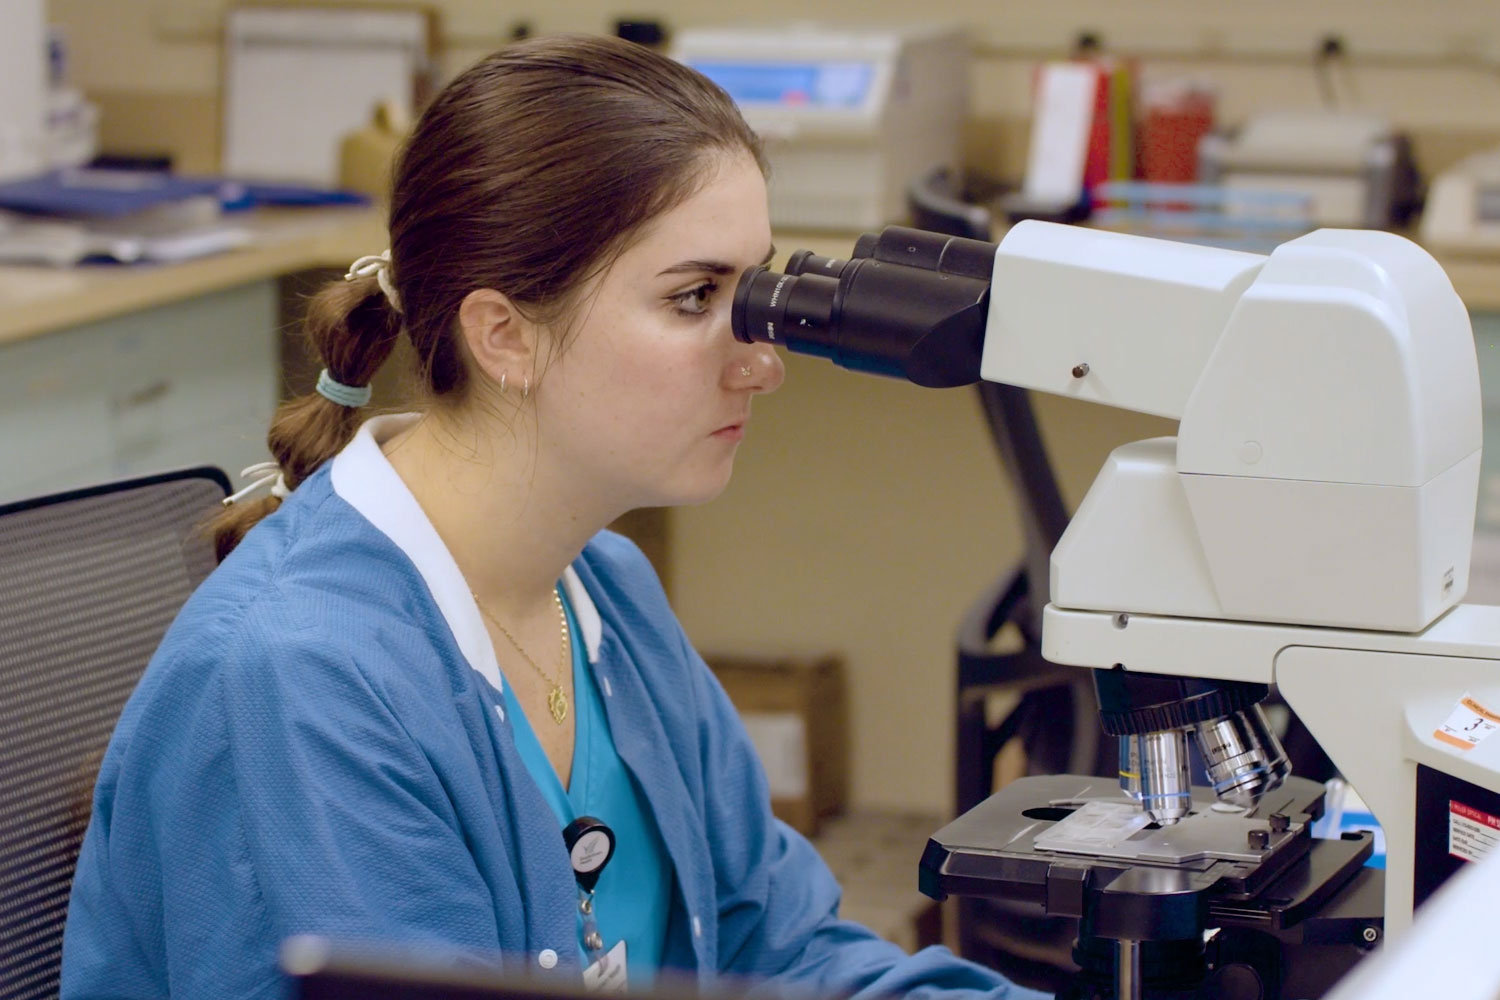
89,582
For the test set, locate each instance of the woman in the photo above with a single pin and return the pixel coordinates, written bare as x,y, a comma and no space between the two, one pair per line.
377,718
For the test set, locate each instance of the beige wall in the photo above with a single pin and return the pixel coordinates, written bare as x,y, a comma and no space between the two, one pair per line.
866,514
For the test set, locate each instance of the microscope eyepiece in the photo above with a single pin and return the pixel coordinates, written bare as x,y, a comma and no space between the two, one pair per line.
784,308
921,318
807,262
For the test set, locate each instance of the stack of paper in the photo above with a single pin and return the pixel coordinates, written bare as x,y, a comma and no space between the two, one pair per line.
69,216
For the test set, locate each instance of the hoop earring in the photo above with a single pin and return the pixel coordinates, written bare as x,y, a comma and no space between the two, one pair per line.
502,382
526,389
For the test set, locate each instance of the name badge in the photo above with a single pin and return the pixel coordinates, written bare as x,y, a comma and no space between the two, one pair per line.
608,974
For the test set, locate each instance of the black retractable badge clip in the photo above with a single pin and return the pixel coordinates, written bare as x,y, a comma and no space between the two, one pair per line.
590,846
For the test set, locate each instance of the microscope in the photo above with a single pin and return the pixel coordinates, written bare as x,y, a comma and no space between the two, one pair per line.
1309,527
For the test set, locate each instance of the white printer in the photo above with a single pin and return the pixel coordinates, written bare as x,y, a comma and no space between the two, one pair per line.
849,115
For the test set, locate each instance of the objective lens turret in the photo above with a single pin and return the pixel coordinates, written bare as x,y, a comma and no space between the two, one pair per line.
1153,714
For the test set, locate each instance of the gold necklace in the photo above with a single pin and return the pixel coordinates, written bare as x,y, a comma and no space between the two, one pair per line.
557,698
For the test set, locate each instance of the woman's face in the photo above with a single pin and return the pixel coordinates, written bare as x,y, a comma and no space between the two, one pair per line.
649,400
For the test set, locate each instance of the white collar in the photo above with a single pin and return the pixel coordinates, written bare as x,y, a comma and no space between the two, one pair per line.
364,478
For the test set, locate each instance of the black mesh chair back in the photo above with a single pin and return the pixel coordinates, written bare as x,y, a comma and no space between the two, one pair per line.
89,581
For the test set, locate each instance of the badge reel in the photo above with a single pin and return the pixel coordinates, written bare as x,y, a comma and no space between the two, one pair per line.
590,846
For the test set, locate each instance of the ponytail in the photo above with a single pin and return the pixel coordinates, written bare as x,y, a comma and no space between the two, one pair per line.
352,327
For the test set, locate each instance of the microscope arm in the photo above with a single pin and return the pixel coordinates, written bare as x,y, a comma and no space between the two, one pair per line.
1327,457
1109,318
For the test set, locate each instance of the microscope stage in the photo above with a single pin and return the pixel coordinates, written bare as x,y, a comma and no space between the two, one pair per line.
1147,883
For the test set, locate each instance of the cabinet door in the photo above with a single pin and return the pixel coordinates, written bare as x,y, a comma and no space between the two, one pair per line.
191,383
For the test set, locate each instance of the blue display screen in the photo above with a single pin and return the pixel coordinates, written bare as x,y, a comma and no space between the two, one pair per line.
817,85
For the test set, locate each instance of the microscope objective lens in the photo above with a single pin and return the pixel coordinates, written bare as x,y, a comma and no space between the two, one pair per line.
1154,772
1244,758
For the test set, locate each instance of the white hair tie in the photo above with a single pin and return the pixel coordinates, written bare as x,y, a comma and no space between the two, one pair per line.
380,266
263,474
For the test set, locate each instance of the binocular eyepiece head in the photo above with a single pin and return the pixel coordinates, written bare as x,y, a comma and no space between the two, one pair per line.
908,304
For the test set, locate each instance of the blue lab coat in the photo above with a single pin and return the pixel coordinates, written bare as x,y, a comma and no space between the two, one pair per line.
320,746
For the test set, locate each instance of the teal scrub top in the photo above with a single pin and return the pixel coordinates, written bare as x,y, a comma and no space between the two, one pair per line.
634,893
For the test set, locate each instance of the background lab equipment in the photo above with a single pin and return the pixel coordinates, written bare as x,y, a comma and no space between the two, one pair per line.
333,64
849,115
1355,166
1463,208
1310,526
23,82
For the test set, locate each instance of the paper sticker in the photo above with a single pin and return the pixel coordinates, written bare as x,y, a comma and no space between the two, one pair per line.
1468,724
608,974
1472,834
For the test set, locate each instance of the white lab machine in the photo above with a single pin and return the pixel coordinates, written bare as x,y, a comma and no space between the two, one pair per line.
1463,206
23,88
1310,527
849,115
1354,166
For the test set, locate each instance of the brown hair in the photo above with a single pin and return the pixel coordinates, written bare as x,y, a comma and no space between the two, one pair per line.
529,174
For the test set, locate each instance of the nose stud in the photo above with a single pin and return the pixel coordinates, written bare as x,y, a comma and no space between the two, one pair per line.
744,371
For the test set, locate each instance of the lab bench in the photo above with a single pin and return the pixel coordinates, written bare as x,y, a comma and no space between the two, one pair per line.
112,371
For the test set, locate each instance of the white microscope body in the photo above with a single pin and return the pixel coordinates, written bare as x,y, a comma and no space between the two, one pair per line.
1311,524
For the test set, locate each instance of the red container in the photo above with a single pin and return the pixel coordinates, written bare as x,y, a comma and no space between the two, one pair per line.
1169,134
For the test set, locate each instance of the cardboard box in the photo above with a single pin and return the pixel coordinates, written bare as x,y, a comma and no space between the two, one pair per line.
797,714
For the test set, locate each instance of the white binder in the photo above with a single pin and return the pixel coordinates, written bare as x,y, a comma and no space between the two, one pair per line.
297,79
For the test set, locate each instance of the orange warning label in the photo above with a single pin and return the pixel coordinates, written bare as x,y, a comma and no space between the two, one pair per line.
1452,741
1468,702
1467,725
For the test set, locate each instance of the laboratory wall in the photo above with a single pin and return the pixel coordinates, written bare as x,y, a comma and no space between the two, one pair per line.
1434,67
866,514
